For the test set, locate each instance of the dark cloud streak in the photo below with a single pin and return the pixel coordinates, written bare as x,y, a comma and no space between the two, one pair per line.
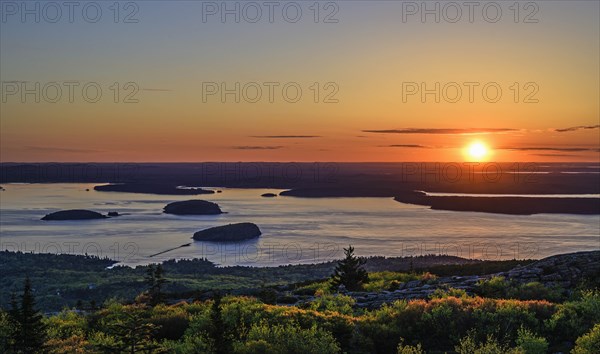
580,127
448,131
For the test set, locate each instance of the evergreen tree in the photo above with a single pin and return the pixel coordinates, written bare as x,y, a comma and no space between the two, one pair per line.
220,343
31,332
159,282
349,272
155,280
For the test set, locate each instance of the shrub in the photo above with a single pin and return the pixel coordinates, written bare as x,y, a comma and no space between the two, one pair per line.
468,345
65,325
171,322
291,339
589,343
189,345
452,292
335,303
496,287
409,349
379,281
574,318
530,344
536,291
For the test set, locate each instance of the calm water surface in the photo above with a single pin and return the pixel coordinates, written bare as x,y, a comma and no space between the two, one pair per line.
295,230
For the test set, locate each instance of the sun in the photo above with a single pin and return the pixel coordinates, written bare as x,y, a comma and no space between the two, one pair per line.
477,151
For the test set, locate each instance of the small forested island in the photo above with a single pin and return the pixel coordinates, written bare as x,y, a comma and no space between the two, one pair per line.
75,214
151,188
268,195
229,233
193,207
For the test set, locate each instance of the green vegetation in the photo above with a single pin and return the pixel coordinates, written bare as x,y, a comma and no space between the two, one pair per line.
237,324
588,343
499,287
165,317
85,281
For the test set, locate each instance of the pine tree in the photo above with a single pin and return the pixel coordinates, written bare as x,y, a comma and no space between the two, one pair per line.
349,272
155,280
219,338
31,332
159,282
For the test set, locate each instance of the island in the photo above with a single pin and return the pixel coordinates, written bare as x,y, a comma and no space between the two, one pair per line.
269,195
75,214
152,188
229,233
193,207
505,205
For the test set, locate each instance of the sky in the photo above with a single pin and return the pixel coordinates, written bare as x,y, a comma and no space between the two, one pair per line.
361,81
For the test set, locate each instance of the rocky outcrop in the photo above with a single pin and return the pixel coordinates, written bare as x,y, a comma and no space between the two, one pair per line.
565,270
193,207
75,214
229,233
268,195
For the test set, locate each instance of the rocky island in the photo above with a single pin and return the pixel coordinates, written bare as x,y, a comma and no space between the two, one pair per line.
193,207
229,233
75,214
268,195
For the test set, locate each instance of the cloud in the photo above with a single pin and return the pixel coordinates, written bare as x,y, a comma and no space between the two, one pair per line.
59,149
407,146
580,127
558,149
555,155
257,147
285,136
448,131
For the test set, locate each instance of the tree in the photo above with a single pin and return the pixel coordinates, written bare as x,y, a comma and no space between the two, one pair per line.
155,280
349,272
30,332
217,327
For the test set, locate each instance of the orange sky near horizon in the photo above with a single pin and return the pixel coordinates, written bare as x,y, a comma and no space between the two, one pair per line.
374,99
